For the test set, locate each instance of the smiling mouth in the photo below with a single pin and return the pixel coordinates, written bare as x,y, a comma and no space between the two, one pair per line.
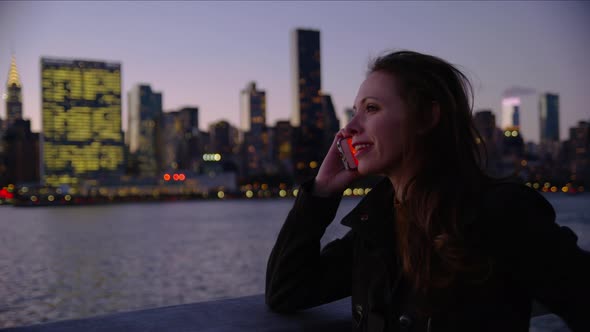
360,147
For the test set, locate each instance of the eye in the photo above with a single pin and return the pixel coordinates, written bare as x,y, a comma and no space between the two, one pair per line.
372,108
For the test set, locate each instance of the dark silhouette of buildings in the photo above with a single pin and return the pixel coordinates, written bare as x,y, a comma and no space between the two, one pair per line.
144,129
308,116
255,135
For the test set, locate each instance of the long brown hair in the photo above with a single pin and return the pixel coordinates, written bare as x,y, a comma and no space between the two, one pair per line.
449,172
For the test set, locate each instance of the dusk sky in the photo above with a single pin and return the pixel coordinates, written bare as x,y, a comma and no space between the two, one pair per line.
204,53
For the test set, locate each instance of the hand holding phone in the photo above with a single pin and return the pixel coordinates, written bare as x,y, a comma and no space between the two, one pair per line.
347,153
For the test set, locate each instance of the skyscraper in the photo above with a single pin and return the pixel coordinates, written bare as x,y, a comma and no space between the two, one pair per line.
81,120
145,111
182,143
253,128
307,113
14,105
549,117
510,112
549,125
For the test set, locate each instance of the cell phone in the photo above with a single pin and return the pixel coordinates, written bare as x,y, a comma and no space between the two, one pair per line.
347,152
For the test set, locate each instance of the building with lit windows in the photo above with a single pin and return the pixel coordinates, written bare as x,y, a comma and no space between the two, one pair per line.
308,116
145,111
81,121
14,104
510,112
255,136
282,147
549,122
181,146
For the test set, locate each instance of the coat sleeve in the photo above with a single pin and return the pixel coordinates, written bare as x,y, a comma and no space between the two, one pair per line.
545,258
299,275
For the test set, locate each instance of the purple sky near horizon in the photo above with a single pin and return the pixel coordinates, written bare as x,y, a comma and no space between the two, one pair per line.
203,53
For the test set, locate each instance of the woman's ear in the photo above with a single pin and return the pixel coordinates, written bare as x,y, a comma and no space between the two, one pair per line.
430,119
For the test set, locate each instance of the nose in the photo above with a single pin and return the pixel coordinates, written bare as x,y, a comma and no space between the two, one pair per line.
353,127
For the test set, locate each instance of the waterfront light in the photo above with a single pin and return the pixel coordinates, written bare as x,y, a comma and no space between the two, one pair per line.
181,177
295,192
50,198
528,184
564,189
553,189
68,198
536,185
220,194
249,194
313,164
367,190
166,177
283,193
33,198
175,177
348,192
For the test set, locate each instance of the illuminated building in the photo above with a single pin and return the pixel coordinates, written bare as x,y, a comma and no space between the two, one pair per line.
308,116
14,105
145,110
283,146
549,122
181,146
255,136
510,112
81,121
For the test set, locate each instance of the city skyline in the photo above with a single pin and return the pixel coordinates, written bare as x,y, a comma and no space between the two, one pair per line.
535,45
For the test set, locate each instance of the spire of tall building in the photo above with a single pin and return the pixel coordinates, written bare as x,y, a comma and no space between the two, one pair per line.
13,77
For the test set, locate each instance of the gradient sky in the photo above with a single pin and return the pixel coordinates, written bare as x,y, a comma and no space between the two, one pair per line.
204,53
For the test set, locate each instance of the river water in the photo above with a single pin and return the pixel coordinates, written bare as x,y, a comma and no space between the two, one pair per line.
71,262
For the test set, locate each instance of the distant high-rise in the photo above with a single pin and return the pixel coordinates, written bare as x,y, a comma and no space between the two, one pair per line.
253,128
332,124
510,112
485,123
81,121
21,154
549,117
307,113
223,138
283,146
181,146
14,104
252,109
145,111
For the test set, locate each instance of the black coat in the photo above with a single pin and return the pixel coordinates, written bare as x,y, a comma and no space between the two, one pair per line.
532,258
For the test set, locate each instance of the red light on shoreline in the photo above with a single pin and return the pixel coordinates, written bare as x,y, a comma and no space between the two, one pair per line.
175,177
166,177
181,177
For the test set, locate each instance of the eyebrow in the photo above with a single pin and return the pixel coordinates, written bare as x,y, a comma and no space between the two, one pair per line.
364,100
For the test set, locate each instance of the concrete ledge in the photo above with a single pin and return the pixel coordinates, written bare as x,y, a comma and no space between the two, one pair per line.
238,314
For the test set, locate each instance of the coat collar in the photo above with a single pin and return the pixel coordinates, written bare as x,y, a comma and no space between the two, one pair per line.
373,207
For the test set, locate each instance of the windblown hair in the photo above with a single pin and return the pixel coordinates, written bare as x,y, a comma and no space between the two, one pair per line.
449,169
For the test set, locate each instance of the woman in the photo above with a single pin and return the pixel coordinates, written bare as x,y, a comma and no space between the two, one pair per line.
437,245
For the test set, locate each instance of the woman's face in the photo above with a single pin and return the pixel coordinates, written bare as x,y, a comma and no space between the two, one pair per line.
377,126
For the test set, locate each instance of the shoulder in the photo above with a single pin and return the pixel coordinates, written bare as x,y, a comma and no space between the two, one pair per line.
508,197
